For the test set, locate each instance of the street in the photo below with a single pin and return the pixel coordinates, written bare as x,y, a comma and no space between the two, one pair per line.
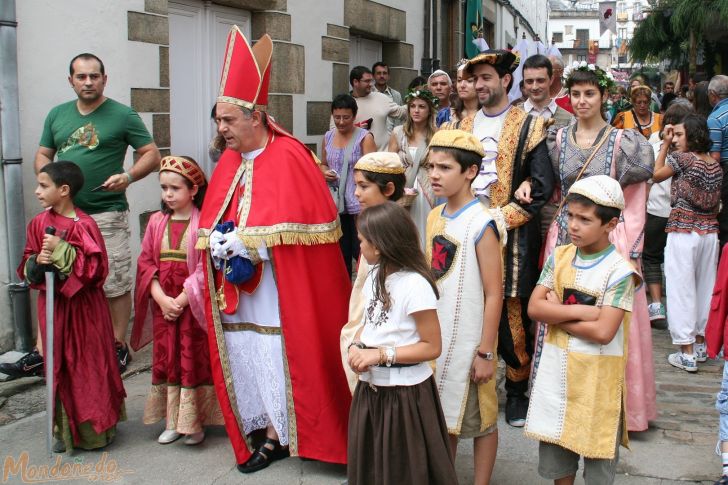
677,449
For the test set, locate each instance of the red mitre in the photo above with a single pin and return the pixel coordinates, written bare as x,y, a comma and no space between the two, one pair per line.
246,71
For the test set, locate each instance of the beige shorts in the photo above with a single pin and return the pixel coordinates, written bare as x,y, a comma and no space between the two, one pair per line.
114,228
471,417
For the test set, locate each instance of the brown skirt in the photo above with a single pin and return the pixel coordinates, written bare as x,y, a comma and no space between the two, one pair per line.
397,435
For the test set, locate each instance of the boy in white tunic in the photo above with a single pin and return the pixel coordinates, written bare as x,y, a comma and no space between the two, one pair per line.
585,296
464,246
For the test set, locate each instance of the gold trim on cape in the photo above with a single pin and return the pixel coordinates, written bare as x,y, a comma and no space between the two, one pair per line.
250,327
288,233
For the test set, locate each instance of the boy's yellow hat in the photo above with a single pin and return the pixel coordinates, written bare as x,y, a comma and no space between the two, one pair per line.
600,189
457,139
380,162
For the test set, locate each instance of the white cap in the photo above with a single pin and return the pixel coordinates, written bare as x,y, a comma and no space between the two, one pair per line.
600,189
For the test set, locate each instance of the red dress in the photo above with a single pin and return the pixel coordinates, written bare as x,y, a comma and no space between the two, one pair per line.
85,370
182,388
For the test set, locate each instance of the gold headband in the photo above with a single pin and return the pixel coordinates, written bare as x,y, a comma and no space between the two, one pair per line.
185,168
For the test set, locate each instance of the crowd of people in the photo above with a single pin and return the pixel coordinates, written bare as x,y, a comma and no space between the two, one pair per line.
473,227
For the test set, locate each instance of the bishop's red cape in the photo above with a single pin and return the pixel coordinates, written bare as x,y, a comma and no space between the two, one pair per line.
85,368
286,205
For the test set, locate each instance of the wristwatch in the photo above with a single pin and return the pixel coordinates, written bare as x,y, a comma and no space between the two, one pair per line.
484,355
389,352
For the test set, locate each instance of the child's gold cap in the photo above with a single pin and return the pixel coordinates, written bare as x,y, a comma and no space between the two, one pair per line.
600,189
457,139
380,162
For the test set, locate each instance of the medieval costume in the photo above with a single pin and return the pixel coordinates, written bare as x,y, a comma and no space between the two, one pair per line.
515,147
577,401
272,337
627,157
182,389
451,251
89,394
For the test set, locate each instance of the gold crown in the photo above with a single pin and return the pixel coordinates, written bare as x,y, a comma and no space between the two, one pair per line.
380,162
186,168
457,139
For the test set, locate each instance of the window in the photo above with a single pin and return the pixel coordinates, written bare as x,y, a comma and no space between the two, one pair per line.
581,57
622,33
582,39
558,37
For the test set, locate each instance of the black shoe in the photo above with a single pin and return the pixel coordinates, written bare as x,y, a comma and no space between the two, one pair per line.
123,356
516,410
28,366
264,456
59,446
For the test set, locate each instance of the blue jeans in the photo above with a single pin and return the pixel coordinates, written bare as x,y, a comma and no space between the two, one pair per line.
721,404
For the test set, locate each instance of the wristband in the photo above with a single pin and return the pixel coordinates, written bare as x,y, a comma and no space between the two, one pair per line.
356,344
129,177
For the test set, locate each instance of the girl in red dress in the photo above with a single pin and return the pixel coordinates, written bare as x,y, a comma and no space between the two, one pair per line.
169,307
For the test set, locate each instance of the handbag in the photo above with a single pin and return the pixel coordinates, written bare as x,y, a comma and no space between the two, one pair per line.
338,191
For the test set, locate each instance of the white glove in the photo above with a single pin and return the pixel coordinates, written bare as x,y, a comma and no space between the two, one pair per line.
233,246
216,240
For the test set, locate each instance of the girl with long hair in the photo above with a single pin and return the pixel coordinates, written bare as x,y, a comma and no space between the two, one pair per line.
466,104
397,431
379,177
169,302
410,141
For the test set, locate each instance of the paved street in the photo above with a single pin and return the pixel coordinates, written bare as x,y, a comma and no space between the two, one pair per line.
678,449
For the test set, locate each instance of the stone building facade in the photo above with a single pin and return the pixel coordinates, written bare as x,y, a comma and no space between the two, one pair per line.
163,58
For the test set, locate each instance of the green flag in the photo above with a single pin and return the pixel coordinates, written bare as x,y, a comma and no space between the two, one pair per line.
473,27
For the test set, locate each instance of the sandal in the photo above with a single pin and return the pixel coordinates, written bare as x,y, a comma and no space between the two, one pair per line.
264,456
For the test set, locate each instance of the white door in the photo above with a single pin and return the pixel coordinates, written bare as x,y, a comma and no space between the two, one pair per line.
364,52
197,36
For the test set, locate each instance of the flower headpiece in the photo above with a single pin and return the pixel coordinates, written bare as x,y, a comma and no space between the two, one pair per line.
424,94
604,78
185,168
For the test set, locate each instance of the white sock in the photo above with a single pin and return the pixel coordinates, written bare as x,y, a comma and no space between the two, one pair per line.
724,459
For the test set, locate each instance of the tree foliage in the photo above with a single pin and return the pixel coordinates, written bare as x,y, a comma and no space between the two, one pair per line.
666,33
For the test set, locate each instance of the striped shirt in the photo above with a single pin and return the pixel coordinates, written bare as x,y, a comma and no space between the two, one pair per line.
718,125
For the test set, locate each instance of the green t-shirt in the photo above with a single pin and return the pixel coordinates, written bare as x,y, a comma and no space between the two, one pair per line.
97,143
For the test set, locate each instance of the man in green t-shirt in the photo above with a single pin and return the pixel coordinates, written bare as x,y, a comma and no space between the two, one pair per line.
95,132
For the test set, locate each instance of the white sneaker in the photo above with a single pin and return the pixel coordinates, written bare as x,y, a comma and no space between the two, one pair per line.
701,352
195,438
683,361
656,311
168,436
